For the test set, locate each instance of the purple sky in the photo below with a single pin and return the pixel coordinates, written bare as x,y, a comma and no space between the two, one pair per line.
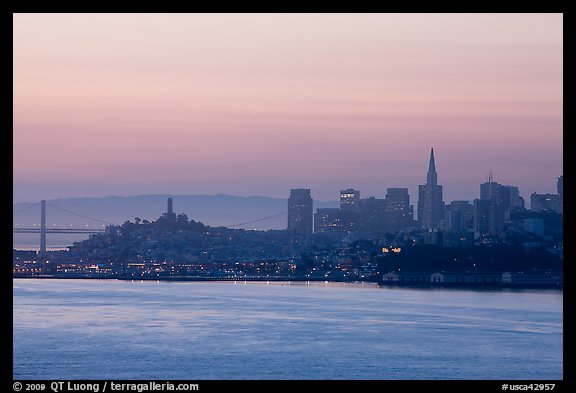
123,104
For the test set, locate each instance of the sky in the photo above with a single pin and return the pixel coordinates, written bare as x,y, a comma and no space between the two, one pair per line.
257,104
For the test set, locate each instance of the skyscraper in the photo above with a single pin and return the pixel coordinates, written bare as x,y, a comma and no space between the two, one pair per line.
430,204
546,202
459,216
560,186
516,201
482,216
399,213
494,207
350,210
349,199
500,199
373,215
300,213
491,191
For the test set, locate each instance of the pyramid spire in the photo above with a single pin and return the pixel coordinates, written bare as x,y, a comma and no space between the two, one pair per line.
432,176
432,165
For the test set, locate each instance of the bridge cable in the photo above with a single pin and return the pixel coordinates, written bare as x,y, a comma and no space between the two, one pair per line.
80,215
260,219
24,208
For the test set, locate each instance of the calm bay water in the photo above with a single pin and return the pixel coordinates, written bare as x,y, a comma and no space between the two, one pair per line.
78,329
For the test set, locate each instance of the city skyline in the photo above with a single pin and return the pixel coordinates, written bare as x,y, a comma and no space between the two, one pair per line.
250,105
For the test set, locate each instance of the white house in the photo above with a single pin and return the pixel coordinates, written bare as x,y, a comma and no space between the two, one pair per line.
390,276
437,277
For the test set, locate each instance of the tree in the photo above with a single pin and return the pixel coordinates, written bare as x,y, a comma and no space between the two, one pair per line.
182,220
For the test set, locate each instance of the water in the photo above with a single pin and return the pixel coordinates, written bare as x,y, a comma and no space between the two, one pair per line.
31,247
76,329
54,241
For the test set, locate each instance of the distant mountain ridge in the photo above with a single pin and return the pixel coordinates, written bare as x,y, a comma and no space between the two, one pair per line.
213,210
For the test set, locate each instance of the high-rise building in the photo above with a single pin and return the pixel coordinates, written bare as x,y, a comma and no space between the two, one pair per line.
373,215
500,200
488,216
430,204
327,220
481,216
349,199
491,191
459,216
549,202
350,210
546,202
516,201
300,211
508,197
399,213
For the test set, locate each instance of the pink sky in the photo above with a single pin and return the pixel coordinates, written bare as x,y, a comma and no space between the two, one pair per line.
123,104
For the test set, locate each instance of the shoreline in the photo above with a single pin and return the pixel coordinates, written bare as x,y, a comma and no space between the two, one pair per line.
494,286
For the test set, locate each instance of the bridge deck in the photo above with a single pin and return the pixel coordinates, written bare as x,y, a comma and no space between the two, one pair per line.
58,230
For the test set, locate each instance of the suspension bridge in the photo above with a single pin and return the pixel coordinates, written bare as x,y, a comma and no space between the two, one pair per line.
43,229
30,224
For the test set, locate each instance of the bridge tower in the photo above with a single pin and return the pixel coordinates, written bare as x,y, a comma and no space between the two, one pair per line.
42,252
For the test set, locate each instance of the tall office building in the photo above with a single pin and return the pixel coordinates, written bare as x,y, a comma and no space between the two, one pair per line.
508,197
546,202
491,191
459,216
560,187
493,208
327,220
373,215
350,210
506,200
349,199
300,213
399,213
516,201
430,204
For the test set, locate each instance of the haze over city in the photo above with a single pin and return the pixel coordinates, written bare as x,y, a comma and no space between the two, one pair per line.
281,197
257,104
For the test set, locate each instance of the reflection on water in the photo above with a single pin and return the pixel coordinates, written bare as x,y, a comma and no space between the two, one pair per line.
94,329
